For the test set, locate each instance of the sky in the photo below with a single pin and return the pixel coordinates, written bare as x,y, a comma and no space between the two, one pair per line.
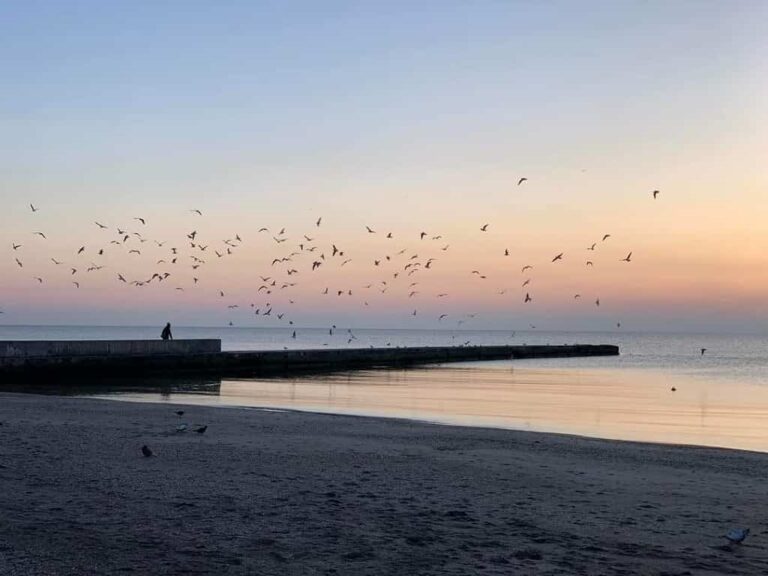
406,117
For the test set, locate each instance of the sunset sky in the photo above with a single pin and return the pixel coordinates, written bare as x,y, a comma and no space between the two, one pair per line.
402,116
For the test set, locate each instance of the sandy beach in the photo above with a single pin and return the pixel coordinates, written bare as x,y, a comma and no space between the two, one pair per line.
298,493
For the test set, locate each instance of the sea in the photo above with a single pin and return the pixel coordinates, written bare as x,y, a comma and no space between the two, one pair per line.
661,388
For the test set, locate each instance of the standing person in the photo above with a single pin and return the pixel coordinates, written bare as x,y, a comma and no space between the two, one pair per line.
166,334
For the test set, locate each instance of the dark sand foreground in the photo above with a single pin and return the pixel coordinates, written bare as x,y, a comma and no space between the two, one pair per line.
289,493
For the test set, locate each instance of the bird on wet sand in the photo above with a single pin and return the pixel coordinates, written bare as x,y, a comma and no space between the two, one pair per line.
179,412
202,429
146,451
737,535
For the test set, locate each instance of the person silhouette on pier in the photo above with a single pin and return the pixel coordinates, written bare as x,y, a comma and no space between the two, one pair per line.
166,334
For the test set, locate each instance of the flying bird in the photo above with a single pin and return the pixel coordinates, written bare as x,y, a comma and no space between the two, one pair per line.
33,208
197,212
628,258
41,235
522,180
484,228
527,298
655,193
100,225
606,237
370,231
703,350
143,222
558,257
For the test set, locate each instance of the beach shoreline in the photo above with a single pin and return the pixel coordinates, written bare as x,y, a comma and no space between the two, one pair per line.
289,492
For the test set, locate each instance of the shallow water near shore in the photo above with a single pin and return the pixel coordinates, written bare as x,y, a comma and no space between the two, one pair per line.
607,403
720,397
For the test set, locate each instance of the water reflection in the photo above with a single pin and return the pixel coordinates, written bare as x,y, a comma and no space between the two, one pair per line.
620,404
143,387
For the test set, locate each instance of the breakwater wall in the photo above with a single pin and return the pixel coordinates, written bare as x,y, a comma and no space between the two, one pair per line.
38,359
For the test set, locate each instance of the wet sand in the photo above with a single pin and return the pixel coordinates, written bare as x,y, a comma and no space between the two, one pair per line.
299,493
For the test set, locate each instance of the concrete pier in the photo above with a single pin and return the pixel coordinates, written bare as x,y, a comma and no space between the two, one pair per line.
34,360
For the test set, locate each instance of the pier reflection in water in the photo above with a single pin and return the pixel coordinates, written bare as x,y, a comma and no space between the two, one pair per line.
620,404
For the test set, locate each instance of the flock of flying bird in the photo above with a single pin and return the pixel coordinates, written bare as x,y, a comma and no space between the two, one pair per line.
182,262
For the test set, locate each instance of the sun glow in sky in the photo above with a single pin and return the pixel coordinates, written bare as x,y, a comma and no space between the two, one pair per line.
405,117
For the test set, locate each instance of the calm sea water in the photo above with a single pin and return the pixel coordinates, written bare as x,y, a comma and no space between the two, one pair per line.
720,398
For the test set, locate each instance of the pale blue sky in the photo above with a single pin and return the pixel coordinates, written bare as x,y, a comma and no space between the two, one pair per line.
363,110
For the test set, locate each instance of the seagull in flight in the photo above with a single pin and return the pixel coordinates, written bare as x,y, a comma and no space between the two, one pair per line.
703,350
41,235
33,208
628,258
370,231
522,180
655,193
16,246
196,212
606,237
527,267
558,257
100,225
143,222
484,228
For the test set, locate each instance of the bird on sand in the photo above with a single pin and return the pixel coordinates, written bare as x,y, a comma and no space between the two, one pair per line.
202,429
146,451
179,412
737,535
522,180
